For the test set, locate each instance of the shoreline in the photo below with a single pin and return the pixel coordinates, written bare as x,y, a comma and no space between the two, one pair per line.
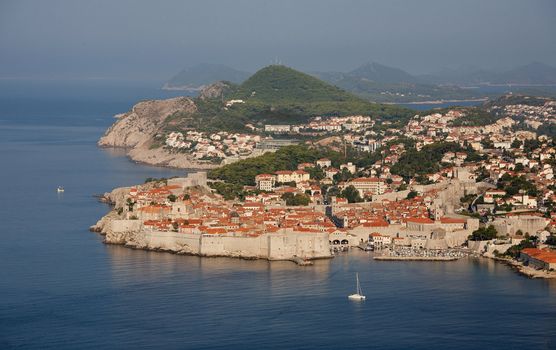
184,164
298,261
414,258
523,270
482,99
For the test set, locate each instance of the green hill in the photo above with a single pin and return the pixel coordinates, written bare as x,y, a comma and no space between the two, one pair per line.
279,84
281,95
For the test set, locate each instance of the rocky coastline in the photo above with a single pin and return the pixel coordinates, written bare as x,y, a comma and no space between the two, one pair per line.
134,131
118,228
524,270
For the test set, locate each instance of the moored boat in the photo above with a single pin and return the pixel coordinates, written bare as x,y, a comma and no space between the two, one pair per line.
358,296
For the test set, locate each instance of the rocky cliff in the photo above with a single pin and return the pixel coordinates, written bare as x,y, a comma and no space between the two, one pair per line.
136,129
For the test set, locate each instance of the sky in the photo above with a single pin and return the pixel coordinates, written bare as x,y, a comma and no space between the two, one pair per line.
152,40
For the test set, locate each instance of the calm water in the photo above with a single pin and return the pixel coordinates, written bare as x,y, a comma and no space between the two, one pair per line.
428,106
61,288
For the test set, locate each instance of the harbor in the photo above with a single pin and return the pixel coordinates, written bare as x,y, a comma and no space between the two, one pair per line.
420,254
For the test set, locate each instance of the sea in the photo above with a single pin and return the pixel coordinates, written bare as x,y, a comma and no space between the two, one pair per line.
62,288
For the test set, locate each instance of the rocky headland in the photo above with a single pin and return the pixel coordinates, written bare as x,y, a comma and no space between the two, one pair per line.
135,132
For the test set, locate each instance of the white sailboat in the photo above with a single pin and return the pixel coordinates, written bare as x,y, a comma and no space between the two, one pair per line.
358,296
60,189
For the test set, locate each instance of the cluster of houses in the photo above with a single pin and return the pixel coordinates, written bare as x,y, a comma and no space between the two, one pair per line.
542,259
387,216
219,145
534,115
323,125
366,186
178,208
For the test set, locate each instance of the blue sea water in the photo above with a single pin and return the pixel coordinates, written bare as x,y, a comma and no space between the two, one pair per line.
61,288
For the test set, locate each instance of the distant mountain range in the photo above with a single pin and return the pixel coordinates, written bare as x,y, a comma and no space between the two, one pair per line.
535,73
381,83
196,77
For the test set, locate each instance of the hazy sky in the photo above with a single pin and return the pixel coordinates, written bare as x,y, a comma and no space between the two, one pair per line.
155,39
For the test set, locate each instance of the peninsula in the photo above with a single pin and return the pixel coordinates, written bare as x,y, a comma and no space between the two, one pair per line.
302,170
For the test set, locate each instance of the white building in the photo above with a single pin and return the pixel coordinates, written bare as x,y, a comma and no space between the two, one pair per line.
368,186
324,163
265,182
296,176
277,128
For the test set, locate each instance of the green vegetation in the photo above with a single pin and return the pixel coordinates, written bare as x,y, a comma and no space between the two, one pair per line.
172,198
280,84
475,116
228,190
514,250
401,92
548,129
316,173
278,94
411,195
514,184
516,99
483,234
531,145
286,158
130,203
426,161
351,194
154,179
296,199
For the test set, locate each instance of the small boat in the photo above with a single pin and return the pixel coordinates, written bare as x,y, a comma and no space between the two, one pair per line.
358,296
60,189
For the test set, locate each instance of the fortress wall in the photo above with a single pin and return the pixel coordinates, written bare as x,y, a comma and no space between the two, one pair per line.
173,241
275,246
211,245
477,246
312,245
280,246
193,179
250,246
457,238
527,224
392,196
125,226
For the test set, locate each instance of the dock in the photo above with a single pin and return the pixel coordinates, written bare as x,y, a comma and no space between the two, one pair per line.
415,258
301,262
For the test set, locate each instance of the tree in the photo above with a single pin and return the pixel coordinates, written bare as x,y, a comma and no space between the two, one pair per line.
412,194
316,173
344,175
530,145
296,199
130,204
351,194
172,198
516,249
516,143
484,234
